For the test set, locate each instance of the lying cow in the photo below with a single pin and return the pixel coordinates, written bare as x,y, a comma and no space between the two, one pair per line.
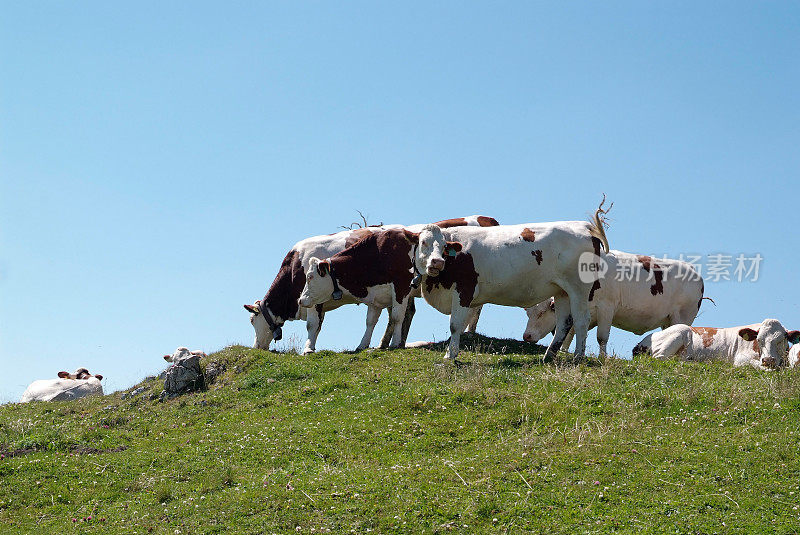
637,294
67,387
182,352
764,346
280,304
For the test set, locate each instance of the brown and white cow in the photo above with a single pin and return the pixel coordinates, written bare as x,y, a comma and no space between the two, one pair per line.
637,294
280,304
67,387
764,346
515,265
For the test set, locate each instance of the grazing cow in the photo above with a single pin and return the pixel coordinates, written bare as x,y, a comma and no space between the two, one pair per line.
515,265
182,352
280,304
637,294
67,387
764,346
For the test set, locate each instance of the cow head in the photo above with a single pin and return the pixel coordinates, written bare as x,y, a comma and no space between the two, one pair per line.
319,284
431,249
182,352
264,334
771,342
541,320
80,373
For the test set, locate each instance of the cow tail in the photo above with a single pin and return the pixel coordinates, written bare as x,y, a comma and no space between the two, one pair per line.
598,224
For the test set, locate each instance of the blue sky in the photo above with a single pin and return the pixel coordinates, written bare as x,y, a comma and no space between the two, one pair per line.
158,160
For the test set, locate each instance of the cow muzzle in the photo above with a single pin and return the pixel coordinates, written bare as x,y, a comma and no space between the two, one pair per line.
435,266
769,362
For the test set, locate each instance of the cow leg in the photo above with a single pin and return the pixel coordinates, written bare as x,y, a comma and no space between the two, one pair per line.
397,316
579,308
472,321
604,318
387,334
373,313
458,318
563,325
411,309
313,326
568,339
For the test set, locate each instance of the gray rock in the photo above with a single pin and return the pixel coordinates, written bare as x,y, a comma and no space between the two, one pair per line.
214,370
183,376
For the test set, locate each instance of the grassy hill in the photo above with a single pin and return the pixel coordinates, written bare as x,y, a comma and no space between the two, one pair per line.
386,441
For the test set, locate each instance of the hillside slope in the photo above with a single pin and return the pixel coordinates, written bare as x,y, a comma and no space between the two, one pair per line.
385,441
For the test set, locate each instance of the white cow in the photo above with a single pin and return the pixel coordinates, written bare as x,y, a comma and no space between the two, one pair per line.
182,352
67,387
280,304
515,265
637,294
764,346
794,356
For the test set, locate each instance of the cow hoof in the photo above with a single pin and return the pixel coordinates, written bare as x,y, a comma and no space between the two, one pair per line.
308,351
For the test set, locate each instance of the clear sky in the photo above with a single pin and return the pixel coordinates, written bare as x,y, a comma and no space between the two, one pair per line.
158,160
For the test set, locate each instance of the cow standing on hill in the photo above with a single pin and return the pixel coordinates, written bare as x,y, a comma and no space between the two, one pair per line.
514,265
637,294
280,304
764,346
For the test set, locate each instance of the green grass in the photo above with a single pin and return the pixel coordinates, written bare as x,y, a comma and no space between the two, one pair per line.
387,442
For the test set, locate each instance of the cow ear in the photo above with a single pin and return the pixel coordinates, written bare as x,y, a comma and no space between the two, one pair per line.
253,309
793,336
452,248
63,375
167,357
98,376
323,268
748,334
411,237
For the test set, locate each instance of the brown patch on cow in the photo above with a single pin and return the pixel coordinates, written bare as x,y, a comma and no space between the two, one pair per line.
597,245
756,347
458,270
702,291
707,334
658,274
484,221
537,254
380,258
456,222
355,236
595,287
282,296
527,234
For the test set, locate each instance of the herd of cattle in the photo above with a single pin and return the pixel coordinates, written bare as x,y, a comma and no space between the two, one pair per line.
458,265
552,270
